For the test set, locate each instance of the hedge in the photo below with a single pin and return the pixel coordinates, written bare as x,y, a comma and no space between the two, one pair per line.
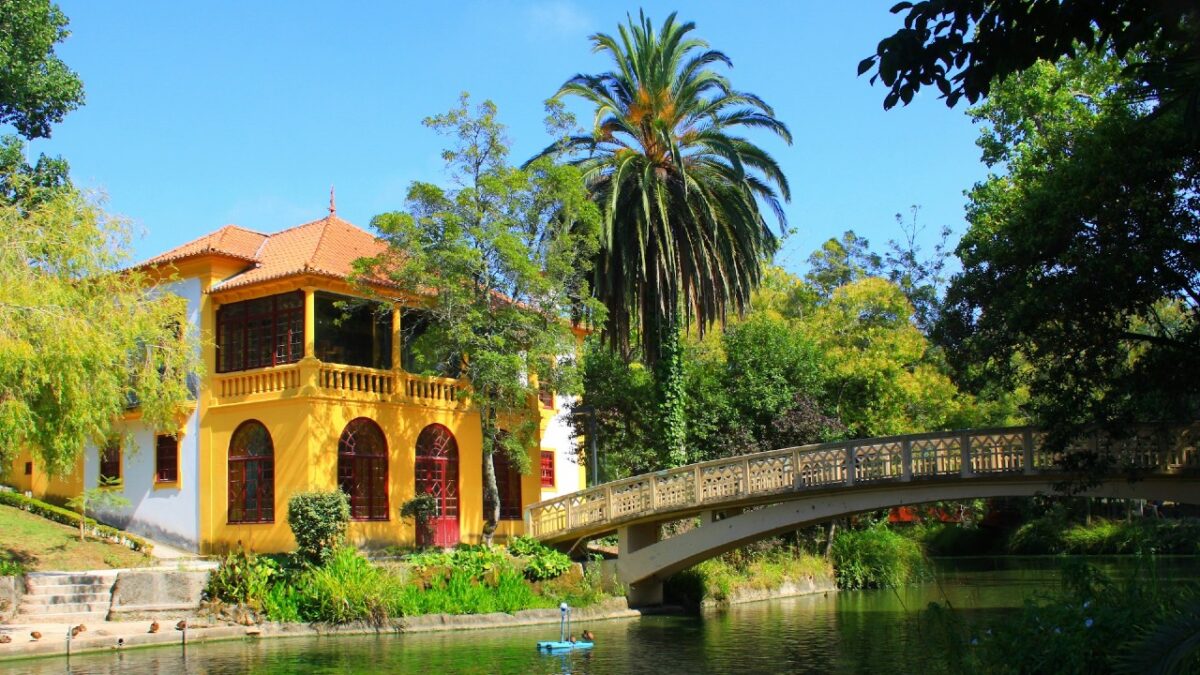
68,517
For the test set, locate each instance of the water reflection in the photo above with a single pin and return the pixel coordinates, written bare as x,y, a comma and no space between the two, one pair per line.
858,632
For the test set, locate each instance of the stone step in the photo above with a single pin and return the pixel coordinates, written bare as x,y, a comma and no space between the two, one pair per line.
64,608
43,580
65,598
63,618
66,589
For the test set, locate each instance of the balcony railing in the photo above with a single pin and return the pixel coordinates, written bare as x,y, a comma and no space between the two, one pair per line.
314,378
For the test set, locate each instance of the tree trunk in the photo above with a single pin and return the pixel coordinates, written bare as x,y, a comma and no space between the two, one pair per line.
491,492
832,530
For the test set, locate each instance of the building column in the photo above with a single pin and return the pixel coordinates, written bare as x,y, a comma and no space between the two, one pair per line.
309,365
633,538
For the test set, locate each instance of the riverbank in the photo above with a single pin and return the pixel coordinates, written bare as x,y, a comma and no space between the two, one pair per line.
126,635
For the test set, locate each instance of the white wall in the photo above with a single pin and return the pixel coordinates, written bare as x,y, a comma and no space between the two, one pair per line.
559,437
170,515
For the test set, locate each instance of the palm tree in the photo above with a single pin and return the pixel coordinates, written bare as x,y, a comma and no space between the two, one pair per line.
683,237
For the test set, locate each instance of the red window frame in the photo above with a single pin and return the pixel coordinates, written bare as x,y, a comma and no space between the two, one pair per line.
546,396
251,474
547,468
110,463
166,459
363,469
508,484
260,333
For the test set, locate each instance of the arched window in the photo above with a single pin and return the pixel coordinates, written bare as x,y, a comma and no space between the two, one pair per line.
508,484
251,474
362,469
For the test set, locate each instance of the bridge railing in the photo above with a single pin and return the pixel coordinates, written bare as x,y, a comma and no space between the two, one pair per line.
949,454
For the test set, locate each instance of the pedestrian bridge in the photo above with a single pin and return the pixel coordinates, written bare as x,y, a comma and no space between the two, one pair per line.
795,487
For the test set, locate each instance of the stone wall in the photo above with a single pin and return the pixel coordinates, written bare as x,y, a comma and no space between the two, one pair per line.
140,594
11,590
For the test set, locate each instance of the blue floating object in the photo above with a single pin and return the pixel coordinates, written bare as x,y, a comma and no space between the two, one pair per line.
562,645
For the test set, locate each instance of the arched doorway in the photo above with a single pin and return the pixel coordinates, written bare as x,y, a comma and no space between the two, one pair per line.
437,475
363,469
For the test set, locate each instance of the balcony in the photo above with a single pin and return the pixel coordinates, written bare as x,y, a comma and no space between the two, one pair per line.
316,379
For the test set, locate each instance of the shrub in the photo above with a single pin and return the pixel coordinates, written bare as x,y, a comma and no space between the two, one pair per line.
876,557
346,588
242,577
11,568
318,521
542,561
420,509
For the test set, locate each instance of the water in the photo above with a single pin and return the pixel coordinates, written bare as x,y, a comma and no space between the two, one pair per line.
863,632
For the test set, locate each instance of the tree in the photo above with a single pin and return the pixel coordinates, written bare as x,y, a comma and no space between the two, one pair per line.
24,185
81,341
103,496
1081,265
683,236
966,47
36,88
840,262
497,259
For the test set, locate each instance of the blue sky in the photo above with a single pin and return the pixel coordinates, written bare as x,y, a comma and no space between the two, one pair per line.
202,114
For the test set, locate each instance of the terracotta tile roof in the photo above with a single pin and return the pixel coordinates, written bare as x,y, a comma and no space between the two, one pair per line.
325,247
231,241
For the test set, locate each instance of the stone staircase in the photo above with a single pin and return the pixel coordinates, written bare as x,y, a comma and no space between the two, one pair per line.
66,597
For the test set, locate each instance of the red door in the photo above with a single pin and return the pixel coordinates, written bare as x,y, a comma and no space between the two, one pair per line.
437,475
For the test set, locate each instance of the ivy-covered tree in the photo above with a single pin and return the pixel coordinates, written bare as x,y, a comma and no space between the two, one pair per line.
500,259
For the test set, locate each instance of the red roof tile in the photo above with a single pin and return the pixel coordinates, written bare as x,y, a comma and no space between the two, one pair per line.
326,247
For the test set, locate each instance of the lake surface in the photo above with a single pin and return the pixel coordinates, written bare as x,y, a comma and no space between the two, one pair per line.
849,632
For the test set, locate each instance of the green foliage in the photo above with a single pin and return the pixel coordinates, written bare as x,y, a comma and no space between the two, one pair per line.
318,521
420,509
36,88
66,517
23,185
719,579
1060,261
541,561
11,568
506,252
242,577
1053,533
65,381
1094,625
876,557
100,498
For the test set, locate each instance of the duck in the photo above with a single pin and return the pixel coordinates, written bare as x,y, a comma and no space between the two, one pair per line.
77,630
5,639
35,635
182,625
588,636
154,627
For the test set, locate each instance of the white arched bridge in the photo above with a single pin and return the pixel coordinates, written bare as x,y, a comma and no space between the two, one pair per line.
805,485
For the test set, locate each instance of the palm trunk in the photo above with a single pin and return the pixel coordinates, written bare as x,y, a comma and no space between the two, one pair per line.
491,492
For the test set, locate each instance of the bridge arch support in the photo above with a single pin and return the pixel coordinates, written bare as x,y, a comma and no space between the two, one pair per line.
644,561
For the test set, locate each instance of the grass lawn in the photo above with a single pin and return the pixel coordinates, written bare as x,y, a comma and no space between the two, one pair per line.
39,544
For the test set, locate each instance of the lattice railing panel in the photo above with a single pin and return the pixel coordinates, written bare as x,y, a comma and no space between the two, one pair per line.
998,452
771,473
936,457
817,468
878,461
722,481
588,508
630,498
673,490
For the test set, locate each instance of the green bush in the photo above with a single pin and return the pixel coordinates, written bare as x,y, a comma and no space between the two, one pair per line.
347,588
68,517
876,557
243,578
318,521
11,568
719,578
542,562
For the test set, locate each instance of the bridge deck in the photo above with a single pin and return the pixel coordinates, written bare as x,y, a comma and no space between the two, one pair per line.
792,473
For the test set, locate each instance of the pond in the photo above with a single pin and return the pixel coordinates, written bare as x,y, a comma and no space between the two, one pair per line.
861,631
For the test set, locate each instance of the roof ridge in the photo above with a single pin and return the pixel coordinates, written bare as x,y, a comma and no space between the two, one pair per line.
311,263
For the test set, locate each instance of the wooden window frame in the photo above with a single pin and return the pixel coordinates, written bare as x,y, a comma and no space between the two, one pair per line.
508,485
159,469
263,466
237,317
371,504
112,447
547,473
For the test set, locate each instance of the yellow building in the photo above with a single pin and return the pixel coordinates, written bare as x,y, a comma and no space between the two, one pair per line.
303,391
